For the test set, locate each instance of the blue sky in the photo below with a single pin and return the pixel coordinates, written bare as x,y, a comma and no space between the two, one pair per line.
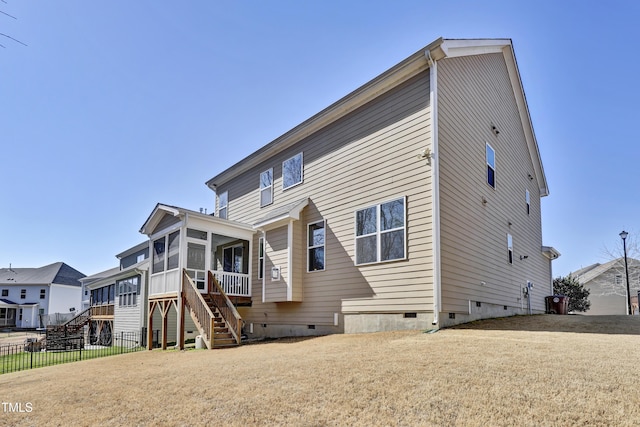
116,105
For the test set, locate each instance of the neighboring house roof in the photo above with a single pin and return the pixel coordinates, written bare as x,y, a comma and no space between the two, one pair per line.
591,272
109,276
133,250
416,63
58,273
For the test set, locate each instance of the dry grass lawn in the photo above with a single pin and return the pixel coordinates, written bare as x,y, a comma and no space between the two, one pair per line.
525,371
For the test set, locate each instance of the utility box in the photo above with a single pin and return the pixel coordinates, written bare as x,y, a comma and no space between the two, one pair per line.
557,304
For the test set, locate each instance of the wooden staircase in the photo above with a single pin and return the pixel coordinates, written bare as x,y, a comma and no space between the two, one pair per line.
213,314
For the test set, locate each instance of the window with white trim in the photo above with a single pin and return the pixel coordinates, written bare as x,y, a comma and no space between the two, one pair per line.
510,248
5,292
223,202
128,291
315,246
292,171
23,293
528,200
261,258
381,232
491,166
43,293
266,187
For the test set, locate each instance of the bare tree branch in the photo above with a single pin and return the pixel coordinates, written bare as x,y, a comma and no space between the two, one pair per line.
15,40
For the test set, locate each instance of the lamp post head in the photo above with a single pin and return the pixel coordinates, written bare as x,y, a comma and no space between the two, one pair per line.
624,235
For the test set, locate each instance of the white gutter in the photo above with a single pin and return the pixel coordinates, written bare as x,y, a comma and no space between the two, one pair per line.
435,186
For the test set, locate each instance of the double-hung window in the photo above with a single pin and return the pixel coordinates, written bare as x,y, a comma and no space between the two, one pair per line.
292,171
266,187
43,293
223,202
315,246
381,232
491,166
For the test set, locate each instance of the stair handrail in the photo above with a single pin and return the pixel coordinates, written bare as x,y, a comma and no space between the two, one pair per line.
198,305
225,307
84,316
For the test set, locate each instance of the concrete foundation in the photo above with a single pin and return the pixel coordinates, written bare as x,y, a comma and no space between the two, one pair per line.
378,322
481,310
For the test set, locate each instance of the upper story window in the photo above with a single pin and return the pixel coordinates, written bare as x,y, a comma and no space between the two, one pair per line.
528,200
5,292
292,171
172,242
380,232
266,187
315,246
23,293
261,258
43,293
491,166
223,201
510,248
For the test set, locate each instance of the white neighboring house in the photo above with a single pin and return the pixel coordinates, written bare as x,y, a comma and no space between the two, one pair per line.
608,286
117,296
31,297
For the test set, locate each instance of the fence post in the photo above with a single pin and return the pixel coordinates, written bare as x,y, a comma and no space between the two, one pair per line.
121,342
31,358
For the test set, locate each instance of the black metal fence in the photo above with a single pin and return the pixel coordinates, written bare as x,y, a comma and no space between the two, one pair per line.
34,353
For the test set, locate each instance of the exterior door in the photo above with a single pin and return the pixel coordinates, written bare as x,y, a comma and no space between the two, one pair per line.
232,259
196,265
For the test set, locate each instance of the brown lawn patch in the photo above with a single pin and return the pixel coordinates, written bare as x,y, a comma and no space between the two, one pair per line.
498,372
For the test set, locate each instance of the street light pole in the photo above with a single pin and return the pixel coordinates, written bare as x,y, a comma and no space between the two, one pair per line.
624,235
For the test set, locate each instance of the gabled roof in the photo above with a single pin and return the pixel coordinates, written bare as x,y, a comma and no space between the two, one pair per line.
161,210
591,272
113,274
137,248
282,215
438,50
58,273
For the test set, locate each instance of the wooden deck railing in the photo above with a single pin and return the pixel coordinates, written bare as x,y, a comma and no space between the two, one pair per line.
101,310
197,304
225,307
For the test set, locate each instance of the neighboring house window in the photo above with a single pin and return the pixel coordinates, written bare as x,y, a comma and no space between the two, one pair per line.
41,311
260,257
315,246
510,248
5,292
166,247
380,232
491,166
140,258
266,187
528,200
292,171
20,315
618,279
23,293
223,202
43,293
128,290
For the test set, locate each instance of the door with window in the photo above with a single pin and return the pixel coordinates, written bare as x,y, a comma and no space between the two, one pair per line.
196,265
232,259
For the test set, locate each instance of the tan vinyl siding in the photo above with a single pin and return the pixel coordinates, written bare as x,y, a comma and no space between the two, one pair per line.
366,158
474,94
276,255
299,258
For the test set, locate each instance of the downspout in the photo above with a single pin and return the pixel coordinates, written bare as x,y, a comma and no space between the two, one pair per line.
435,186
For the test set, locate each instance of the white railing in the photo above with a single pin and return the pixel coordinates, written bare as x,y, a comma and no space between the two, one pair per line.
233,284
